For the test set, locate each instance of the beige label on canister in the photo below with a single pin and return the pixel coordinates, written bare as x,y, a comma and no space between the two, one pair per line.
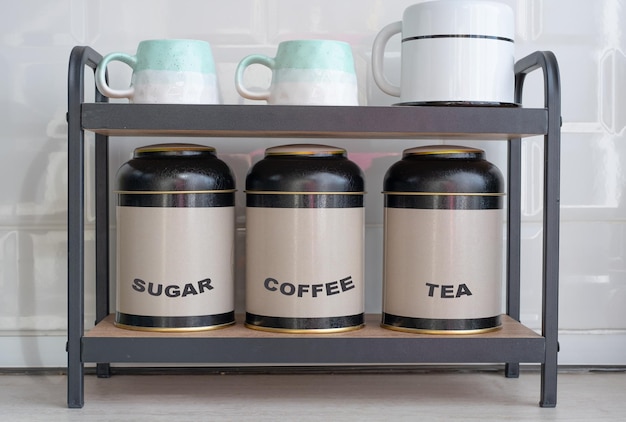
443,264
175,261
304,262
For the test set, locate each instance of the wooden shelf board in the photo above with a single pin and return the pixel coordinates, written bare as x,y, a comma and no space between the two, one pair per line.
372,329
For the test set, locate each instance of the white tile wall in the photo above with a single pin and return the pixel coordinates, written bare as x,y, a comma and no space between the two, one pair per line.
36,37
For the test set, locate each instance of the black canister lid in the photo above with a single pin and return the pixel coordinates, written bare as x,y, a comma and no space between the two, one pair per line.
175,167
305,150
444,169
439,152
173,150
305,168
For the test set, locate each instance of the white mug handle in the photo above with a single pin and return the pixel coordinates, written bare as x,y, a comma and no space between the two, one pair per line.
378,56
100,75
241,67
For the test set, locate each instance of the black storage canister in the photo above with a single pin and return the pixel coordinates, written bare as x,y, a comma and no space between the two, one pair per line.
443,241
304,241
175,239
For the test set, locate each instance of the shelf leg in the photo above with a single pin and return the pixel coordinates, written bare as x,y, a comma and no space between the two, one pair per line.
551,216
103,370
549,328
76,243
102,226
548,384
551,211
79,59
75,387
511,370
514,219
102,236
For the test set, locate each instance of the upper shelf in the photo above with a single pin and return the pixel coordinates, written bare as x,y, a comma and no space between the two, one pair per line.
419,122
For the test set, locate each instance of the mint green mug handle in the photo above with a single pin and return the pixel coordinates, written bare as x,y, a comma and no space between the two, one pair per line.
243,64
100,75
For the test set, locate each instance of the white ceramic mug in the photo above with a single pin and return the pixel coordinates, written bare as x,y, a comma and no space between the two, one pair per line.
165,71
453,51
313,72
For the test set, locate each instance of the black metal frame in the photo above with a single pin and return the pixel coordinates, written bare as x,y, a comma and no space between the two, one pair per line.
349,122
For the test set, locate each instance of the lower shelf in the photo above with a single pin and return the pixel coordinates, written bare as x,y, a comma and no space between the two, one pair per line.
372,344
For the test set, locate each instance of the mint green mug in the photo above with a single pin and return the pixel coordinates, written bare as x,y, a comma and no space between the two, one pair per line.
313,72
165,71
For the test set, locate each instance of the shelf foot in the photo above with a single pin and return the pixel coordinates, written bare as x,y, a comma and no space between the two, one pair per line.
511,370
75,386
103,370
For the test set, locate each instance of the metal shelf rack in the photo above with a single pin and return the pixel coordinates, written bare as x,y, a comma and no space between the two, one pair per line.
512,345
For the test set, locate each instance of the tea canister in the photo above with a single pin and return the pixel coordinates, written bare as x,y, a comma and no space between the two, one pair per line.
443,241
305,241
175,239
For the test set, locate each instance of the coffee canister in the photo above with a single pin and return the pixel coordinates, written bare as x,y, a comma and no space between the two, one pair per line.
443,241
304,241
175,239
